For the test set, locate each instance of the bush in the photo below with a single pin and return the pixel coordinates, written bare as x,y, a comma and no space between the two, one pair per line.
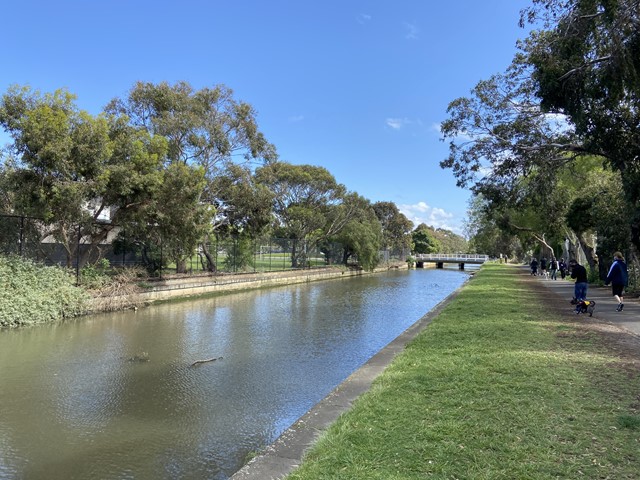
95,276
32,293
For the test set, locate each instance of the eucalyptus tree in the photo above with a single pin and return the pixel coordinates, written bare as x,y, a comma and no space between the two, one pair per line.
207,128
361,233
450,242
68,167
485,236
571,92
305,198
243,212
396,227
587,66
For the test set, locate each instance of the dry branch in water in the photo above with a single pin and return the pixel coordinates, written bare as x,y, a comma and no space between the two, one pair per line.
198,362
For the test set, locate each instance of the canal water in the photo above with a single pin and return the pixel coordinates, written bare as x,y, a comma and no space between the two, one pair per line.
115,396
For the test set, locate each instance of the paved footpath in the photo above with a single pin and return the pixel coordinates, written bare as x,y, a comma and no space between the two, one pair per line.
628,319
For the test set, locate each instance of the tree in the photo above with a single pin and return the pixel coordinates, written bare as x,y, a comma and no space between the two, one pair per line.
587,66
243,204
518,132
304,196
68,168
449,242
206,128
243,211
424,241
396,227
362,233
485,236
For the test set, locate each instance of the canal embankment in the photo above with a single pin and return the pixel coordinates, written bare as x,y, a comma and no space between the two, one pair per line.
185,287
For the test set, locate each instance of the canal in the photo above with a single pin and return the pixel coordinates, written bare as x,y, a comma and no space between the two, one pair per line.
116,396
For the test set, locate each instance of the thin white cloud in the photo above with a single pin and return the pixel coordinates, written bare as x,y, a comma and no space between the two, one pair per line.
363,18
296,118
435,217
398,123
412,31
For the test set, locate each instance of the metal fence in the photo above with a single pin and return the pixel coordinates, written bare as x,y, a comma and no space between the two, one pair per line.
74,248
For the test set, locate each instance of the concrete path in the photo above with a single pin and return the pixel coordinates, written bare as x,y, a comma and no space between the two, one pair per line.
628,319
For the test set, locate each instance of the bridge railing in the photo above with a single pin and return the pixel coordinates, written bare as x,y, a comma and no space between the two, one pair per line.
458,257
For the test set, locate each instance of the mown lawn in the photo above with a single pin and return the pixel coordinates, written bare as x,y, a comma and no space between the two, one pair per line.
497,387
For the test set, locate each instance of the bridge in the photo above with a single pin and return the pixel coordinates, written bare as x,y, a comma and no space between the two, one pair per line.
441,258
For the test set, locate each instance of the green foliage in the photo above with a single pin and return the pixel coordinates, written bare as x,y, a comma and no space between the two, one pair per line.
31,293
96,275
360,232
424,241
449,241
396,227
569,98
240,255
306,202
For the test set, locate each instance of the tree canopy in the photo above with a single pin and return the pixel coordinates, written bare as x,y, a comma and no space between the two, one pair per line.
568,101
167,167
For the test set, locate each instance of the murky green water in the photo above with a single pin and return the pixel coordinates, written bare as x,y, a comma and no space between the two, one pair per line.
115,396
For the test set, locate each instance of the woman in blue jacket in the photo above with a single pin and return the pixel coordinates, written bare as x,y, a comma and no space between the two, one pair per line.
618,278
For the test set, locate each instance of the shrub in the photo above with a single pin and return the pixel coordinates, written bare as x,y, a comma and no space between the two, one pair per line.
95,276
32,293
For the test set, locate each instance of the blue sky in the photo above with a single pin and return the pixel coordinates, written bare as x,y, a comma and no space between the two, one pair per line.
358,87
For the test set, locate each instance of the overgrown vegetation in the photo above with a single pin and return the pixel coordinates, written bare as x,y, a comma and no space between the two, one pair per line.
32,293
113,289
495,387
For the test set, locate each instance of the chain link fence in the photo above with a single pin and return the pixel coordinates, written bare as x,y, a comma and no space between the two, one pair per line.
75,247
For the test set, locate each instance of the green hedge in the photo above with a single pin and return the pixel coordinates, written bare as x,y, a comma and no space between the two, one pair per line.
31,293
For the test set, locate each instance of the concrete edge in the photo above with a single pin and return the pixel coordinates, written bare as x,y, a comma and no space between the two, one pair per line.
285,454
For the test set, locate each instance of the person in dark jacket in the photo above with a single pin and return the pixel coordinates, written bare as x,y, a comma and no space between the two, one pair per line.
562,266
580,274
534,266
618,278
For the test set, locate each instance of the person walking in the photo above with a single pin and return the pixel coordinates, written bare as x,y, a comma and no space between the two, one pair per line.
618,278
562,266
582,283
553,268
534,266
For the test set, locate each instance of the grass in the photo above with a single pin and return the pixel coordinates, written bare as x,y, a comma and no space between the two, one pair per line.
259,263
495,388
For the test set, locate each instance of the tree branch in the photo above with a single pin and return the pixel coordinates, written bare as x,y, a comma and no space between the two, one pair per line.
587,64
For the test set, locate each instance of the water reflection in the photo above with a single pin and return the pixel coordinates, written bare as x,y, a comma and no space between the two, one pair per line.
79,401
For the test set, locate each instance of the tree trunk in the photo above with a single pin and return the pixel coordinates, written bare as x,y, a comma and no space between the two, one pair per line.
589,252
181,265
211,264
294,257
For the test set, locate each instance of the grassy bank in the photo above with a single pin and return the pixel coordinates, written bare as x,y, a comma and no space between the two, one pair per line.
500,386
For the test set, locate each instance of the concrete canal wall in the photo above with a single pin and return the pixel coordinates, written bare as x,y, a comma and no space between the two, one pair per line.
174,288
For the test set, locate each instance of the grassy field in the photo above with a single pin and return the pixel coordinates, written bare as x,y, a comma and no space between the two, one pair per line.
259,263
500,386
